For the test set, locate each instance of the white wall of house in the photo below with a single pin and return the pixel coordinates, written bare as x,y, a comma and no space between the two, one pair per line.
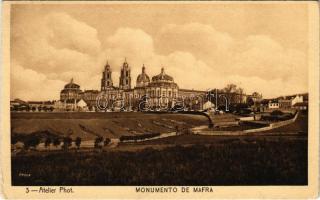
208,105
273,105
297,99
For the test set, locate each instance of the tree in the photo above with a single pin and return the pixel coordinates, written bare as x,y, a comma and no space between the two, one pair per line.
107,141
78,142
233,93
56,142
250,101
97,142
31,141
67,141
240,92
47,142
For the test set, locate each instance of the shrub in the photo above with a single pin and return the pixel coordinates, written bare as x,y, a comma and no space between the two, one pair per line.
276,113
107,141
56,142
47,142
66,142
31,142
97,142
78,142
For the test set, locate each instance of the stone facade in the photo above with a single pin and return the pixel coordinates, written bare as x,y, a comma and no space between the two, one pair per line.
154,93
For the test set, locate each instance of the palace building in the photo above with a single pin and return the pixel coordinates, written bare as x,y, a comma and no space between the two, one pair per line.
160,91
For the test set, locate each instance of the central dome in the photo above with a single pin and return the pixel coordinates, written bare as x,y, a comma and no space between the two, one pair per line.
71,85
143,79
162,77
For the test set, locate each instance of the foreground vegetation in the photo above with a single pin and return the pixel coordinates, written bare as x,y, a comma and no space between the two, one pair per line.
258,162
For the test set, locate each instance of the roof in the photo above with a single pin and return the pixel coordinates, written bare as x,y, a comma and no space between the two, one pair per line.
40,102
143,78
273,101
301,104
284,100
18,101
162,76
189,90
71,85
72,100
264,101
163,84
91,91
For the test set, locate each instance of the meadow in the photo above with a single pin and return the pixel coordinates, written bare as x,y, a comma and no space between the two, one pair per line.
278,157
260,161
88,126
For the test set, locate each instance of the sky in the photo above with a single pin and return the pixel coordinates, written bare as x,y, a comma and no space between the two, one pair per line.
259,47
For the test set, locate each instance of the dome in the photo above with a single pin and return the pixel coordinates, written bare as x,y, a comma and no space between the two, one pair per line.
162,77
143,79
71,85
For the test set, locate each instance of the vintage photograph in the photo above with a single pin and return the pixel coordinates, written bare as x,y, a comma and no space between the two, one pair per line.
159,94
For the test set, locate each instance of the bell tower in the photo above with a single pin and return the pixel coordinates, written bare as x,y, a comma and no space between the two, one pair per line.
106,81
125,77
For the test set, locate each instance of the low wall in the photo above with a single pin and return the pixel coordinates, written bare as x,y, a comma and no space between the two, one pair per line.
246,118
270,127
222,124
162,135
273,125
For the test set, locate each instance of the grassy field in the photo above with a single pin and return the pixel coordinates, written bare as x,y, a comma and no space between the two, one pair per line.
112,125
270,158
299,126
281,161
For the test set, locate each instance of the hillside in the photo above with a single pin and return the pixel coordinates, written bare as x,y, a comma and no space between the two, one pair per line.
111,125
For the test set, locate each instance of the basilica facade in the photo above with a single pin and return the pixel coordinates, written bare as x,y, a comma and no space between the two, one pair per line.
159,91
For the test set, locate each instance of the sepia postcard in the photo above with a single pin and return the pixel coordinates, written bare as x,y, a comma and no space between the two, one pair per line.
159,99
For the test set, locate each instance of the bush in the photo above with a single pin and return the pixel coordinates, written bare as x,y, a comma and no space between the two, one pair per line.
270,118
97,142
67,141
276,113
31,142
107,141
78,142
56,142
47,142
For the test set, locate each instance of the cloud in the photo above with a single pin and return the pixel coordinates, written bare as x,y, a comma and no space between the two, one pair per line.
228,54
67,32
31,85
58,47
196,36
265,58
55,49
256,59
